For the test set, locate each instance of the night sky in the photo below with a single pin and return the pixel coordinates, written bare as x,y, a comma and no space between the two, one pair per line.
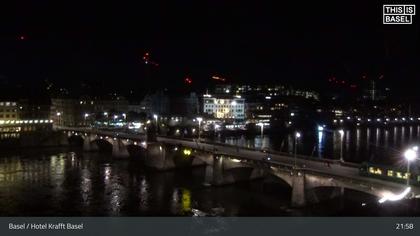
299,43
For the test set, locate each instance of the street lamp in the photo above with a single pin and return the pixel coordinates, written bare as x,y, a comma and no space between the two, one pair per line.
297,136
86,115
341,132
262,128
124,116
320,128
410,155
156,118
59,117
199,119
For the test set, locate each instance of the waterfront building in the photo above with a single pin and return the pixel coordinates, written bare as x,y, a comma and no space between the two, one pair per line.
224,107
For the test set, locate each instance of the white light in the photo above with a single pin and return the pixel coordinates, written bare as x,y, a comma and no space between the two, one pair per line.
415,148
410,154
233,103
378,120
235,160
58,113
320,128
292,114
105,113
199,119
348,117
341,132
388,196
86,115
155,116
297,135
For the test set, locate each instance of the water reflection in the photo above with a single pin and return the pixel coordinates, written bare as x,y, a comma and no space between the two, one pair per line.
93,184
320,146
359,144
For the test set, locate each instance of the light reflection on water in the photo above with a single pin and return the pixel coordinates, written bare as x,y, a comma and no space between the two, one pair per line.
381,145
93,184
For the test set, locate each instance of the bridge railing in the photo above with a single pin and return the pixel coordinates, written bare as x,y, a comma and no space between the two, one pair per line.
270,151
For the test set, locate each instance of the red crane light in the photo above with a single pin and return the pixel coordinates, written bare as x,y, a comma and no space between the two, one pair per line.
188,80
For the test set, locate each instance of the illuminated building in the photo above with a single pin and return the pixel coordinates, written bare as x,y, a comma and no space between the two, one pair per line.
8,110
224,107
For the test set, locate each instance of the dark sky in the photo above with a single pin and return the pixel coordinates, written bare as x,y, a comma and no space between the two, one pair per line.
263,41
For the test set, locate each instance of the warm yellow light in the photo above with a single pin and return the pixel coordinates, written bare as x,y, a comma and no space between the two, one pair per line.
187,152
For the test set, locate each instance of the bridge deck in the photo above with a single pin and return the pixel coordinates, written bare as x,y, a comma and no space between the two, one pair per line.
321,166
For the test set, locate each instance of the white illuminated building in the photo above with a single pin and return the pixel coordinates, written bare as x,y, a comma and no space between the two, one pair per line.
232,107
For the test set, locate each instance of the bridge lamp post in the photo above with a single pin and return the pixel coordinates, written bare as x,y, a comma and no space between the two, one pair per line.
409,155
199,119
59,117
86,115
341,132
156,119
297,136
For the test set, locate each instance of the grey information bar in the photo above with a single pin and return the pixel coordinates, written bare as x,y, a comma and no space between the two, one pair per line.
170,226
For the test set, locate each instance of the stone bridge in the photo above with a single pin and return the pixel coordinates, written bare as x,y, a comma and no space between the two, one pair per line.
225,164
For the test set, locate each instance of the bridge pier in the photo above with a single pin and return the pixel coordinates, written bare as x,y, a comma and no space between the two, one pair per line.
88,144
157,157
119,149
298,189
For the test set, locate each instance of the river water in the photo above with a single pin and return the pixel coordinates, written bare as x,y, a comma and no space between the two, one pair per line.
70,182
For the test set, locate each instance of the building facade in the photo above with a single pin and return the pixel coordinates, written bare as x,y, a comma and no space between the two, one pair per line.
224,107
9,110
